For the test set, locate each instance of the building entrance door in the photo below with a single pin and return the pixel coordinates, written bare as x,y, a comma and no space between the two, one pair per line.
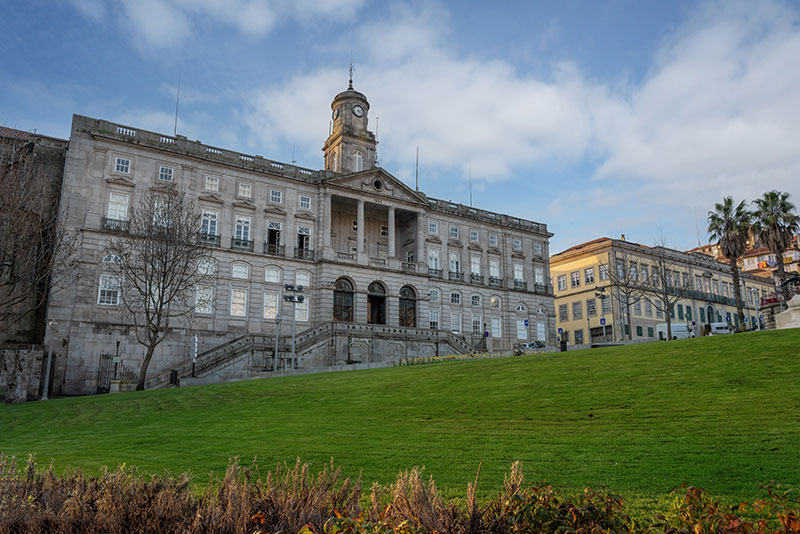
376,304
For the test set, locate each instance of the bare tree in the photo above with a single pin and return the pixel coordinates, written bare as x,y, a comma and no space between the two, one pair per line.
38,256
668,283
626,285
160,266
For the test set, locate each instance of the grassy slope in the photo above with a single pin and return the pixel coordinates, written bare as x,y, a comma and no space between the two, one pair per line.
722,413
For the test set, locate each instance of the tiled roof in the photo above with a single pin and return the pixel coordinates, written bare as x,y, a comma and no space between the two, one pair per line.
11,133
576,247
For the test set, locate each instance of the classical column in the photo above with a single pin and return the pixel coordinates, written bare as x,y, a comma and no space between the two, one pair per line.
392,252
420,239
360,223
326,221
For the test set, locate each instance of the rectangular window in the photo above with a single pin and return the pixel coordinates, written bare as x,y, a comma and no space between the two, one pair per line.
455,298
637,307
698,282
245,190
680,312
516,244
302,278
433,319
562,282
578,337
433,258
649,331
492,240
270,305
384,230
475,265
577,310
209,222
118,206
473,236
688,312
240,270
242,227
494,267
648,308
588,275
639,331
276,196
522,330
109,290
305,202
702,313
477,324
433,294
497,330
591,308
455,323
476,300
672,312
603,271
165,174
454,232
518,274
123,165
204,300
212,183
606,304
575,276
540,331
645,273
537,248
538,275
659,313
272,274
433,228
239,302
301,311
455,262
562,312
634,272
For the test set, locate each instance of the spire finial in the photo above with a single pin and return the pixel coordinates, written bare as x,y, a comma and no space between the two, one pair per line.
351,69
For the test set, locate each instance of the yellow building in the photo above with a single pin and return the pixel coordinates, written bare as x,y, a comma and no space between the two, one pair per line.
590,307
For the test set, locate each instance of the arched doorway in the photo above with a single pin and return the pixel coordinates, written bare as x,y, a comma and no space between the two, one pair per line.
408,307
343,301
376,303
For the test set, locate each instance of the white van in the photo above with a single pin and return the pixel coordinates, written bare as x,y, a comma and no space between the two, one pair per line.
679,331
718,329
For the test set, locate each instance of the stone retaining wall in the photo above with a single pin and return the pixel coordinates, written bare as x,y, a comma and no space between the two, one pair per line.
20,373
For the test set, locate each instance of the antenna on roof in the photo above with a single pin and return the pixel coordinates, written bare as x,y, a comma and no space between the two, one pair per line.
416,172
177,99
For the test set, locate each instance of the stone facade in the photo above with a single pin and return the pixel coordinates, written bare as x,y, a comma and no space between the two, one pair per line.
390,262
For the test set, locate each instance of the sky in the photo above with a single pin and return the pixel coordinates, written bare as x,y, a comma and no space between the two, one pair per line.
598,118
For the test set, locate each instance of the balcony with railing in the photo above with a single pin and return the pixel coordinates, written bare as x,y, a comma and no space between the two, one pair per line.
245,245
520,285
542,289
435,273
348,257
119,226
209,240
272,249
455,276
408,266
495,281
377,262
476,278
303,254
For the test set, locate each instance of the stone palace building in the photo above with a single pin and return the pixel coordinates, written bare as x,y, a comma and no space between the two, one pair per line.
388,272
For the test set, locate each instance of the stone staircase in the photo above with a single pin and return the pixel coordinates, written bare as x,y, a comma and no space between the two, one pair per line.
222,355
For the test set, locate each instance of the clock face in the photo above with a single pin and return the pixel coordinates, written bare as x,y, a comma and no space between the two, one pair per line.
358,111
335,113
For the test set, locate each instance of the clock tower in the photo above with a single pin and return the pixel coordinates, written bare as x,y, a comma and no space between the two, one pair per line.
350,147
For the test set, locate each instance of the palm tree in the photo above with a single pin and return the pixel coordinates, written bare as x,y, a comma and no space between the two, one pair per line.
730,225
776,223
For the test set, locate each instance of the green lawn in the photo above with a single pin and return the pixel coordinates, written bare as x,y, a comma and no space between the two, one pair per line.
722,413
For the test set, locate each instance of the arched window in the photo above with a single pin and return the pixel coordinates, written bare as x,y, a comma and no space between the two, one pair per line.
358,160
272,275
408,307
343,301
376,303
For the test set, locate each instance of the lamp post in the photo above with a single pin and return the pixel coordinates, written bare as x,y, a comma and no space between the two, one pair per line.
294,299
116,361
53,326
602,296
277,334
194,356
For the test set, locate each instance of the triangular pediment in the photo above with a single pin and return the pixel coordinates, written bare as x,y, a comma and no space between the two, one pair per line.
165,189
493,250
475,246
377,182
244,204
305,215
211,197
433,239
518,254
120,180
271,208
454,243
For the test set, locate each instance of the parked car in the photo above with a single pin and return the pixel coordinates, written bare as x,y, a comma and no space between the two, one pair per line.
533,345
679,331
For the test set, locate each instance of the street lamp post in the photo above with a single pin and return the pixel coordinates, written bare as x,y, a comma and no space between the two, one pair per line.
294,299
53,326
277,334
602,296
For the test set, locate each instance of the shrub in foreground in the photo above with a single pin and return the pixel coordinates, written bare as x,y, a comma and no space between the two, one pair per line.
293,500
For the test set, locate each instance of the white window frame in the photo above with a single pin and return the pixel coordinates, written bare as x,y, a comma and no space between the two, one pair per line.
118,210
209,219
301,310
122,165
304,202
242,227
562,282
522,330
245,190
358,160
433,227
275,196
494,267
204,300
516,244
476,300
434,295
453,232
302,278
492,240
473,236
272,304
108,290
497,327
519,272
455,298
433,319
238,300
538,248
276,271
240,271
477,324
166,174
455,322
433,258
206,267
211,183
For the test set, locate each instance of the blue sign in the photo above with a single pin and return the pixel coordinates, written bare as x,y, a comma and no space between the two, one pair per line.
602,321
526,322
728,318
693,323
486,334
560,330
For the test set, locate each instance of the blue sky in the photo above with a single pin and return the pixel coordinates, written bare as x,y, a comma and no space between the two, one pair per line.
595,117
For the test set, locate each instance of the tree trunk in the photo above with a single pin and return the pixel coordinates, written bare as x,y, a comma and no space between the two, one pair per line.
151,348
737,294
668,317
628,317
781,276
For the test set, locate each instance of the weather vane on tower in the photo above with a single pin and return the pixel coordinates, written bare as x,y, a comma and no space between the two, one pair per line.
351,69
